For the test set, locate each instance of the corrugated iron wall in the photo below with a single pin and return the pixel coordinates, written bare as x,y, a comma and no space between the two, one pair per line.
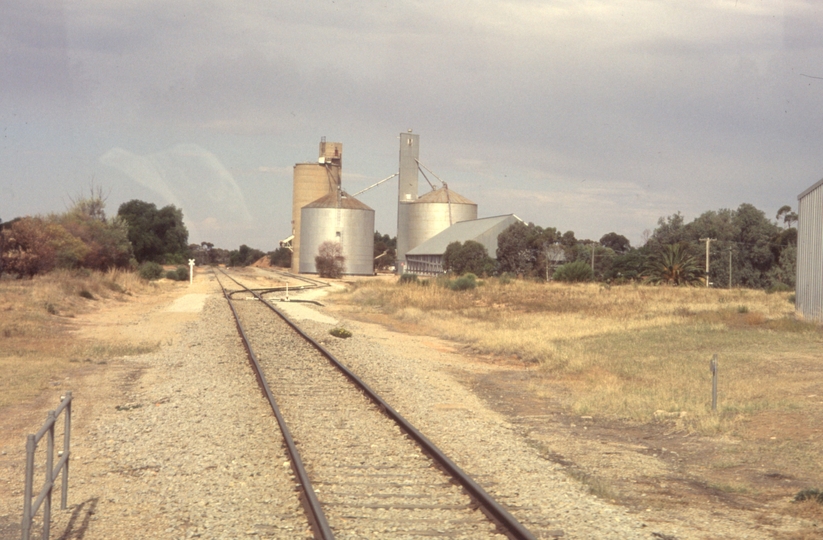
809,291
352,228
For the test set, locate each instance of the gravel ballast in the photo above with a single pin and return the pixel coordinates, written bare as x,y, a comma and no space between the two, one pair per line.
192,450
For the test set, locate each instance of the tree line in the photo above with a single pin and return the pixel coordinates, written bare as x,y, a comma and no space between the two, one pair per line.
85,237
746,249
141,236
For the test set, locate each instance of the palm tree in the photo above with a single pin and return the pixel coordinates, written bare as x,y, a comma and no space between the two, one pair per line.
674,266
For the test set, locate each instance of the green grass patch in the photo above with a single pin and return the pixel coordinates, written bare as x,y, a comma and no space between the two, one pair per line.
340,333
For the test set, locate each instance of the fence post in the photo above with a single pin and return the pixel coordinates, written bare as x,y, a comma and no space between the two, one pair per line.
30,447
713,367
49,476
64,492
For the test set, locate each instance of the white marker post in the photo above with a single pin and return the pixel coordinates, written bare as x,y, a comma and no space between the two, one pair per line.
191,271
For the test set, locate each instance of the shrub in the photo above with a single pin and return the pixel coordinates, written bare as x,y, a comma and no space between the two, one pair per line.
330,261
463,283
408,278
116,287
340,332
470,256
150,270
573,272
81,238
442,280
281,257
106,240
245,256
182,273
779,287
36,246
809,495
174,258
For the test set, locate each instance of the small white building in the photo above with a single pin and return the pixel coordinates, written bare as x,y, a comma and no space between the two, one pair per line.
809,287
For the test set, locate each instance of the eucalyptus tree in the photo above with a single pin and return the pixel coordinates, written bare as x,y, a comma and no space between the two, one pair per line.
156,235
745,247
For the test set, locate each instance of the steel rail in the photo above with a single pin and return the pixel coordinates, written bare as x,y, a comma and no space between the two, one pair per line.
267,290
310,284
310,502
494,510
311,281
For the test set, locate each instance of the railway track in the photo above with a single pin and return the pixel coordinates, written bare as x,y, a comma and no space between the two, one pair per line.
362,470
290,282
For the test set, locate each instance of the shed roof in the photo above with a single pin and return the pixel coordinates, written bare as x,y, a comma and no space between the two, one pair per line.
473,229
814,187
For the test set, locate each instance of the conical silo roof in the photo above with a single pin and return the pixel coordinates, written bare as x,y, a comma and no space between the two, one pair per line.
443,195
333,201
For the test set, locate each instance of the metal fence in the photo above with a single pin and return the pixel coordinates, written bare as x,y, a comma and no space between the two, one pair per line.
30,508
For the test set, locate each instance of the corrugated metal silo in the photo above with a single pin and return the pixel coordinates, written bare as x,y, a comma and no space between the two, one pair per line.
809,287
435,212
311,182
337,217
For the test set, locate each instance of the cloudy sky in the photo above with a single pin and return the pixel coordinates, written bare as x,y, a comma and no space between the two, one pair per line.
581,115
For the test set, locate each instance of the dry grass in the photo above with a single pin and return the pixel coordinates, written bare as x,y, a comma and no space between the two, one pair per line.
36,347
625,351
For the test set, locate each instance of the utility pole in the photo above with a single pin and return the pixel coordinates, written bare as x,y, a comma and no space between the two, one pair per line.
546,249
593,258
730,267
708,241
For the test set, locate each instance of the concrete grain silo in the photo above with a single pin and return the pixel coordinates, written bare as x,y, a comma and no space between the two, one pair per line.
407,192
338,217
311,182
435,212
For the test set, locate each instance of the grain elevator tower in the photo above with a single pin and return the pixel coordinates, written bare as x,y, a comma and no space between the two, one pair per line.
407,192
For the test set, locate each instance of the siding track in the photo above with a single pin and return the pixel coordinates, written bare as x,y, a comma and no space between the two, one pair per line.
365,471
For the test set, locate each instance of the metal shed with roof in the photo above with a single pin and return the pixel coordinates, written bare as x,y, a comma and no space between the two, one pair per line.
427,258
809,285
